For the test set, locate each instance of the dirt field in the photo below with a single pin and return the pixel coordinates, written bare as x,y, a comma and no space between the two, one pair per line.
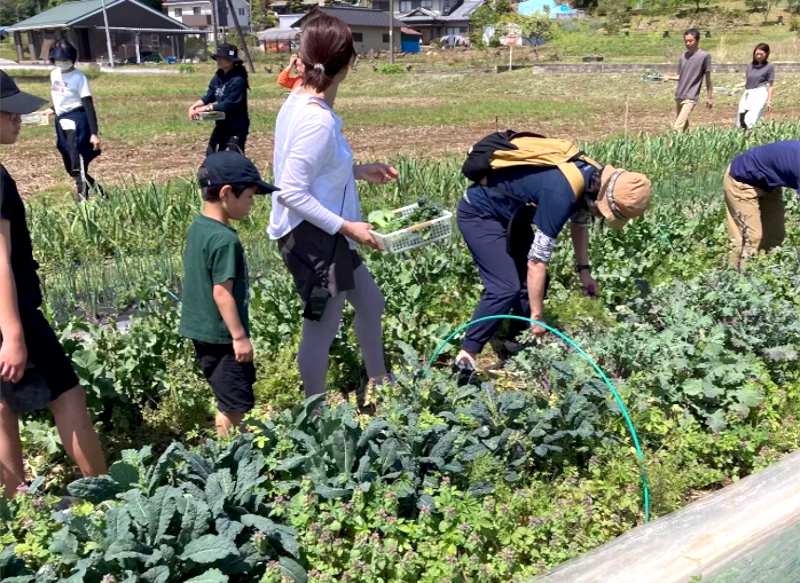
148,138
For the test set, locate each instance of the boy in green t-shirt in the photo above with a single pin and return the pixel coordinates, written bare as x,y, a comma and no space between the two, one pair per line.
215,284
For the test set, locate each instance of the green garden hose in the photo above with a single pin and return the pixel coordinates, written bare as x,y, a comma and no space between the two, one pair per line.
571,343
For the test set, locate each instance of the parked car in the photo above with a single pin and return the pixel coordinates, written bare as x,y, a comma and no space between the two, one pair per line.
450,41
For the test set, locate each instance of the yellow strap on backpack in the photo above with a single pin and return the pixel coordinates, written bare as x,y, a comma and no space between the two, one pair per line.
533,151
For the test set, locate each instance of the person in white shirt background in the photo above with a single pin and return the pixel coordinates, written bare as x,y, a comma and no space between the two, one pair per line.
316,213
77,131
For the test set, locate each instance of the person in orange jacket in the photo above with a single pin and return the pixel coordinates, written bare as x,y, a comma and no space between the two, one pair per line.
285,77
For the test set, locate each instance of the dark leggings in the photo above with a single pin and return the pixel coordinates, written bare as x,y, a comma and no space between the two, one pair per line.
72,164
223,139
315,346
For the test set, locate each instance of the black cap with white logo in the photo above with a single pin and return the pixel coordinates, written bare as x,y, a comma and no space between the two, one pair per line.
227,51
231,168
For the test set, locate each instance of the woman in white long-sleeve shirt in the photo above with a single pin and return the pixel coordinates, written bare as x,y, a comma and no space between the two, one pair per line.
316,214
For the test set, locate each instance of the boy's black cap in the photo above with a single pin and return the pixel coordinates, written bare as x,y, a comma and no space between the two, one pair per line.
12,100
228,167
227,51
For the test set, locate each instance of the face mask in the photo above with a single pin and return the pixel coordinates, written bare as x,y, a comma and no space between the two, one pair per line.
64,66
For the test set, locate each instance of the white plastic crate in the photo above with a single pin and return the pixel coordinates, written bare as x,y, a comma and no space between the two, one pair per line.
37,118
419,235
211,116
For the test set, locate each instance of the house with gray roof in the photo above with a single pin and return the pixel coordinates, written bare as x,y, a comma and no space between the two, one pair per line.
370,27
202,14
137,31
438,19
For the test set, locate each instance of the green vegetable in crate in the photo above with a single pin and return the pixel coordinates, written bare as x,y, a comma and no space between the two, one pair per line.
383,220
427,211
387,221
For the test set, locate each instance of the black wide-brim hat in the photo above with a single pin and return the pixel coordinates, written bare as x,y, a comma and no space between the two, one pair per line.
12,100
227,51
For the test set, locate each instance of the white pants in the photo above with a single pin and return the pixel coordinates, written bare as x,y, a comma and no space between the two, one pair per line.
751,106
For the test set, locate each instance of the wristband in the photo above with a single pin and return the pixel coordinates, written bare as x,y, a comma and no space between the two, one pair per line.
586,267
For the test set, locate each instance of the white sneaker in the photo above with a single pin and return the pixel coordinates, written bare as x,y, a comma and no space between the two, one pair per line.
465,369
465,361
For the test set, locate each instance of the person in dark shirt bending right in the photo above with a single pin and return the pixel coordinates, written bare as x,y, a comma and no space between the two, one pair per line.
227,93
754,184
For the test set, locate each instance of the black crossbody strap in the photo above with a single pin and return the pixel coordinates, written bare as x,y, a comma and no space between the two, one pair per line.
335,238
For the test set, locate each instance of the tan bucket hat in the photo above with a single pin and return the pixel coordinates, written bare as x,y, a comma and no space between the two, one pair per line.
623,195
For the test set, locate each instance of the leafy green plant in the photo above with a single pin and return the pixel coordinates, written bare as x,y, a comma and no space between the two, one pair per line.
27,529
12,568
387,221
390,69
187,514
485,483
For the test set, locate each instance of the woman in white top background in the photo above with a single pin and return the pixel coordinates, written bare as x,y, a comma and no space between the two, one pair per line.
76,121
758,90
316,214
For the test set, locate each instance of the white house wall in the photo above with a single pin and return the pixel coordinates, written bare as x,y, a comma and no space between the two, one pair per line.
437,6
242,11
372,39
205,10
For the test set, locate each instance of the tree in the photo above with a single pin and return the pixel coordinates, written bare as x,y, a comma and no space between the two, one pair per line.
12,11
793,6
263,16
295,6
696,4
488,14
617,13
762,6
584,4
534,26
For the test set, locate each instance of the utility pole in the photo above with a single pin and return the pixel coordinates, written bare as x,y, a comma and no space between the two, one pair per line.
241,36
214,21
223,18
108,35
391,32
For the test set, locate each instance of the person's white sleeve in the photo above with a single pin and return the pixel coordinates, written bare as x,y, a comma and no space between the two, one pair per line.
84,88
52,92
313,145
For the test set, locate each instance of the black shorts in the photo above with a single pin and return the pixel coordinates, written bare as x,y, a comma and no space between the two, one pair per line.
46,354
322,265
231,381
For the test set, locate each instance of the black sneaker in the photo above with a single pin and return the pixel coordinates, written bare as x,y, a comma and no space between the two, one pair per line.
505,349
81,193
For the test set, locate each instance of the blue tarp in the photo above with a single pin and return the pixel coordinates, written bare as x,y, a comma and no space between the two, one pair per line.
410,44
530,7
